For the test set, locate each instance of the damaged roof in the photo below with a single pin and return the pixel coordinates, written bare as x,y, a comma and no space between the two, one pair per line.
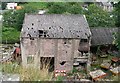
55,26
103,36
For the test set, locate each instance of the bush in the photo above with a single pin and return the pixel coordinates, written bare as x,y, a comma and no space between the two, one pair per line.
14,18
10,35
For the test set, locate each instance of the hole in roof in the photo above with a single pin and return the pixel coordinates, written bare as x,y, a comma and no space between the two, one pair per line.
44,35
28,28
28,35
32,24
32,28
49,27
40,32
66,51
63,62
47,35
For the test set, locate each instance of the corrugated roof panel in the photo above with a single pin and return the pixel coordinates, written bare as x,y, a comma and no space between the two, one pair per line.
102,36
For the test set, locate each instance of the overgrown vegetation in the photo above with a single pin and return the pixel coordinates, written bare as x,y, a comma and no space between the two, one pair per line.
10,35
117,15
28,73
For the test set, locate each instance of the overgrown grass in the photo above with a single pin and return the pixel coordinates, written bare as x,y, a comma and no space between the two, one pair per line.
33,74
28,73
11,68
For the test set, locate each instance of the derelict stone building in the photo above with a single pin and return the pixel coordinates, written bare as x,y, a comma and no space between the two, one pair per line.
60,36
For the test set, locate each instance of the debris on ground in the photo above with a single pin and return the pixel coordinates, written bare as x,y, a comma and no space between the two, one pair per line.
106,64
97,74
115,70
9,77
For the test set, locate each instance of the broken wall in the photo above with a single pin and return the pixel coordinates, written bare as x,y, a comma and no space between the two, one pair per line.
63,50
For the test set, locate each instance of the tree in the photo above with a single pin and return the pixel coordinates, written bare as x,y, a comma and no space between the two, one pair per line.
97,17
3,6
66,7
14,18
56,7
117,15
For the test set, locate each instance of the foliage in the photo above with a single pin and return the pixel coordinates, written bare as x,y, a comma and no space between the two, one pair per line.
60,78
3,6
8,37
117,17
97,17
10,68
74,70
56,8
64,7
14,18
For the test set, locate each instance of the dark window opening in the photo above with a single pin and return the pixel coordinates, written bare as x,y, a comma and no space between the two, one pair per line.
31,28
40,33
84,40
63,62
28,28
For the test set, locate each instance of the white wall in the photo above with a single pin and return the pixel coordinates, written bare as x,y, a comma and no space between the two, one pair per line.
11,5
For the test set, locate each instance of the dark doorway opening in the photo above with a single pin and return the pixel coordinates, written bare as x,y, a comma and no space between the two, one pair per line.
47,62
